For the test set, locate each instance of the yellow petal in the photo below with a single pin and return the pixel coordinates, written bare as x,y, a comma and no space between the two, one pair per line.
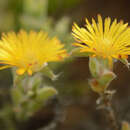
4,67
20,71
29,50
105,38
29,72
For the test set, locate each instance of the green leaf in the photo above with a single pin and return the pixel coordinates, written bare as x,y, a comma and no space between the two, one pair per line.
42,96
35,7
94,67
125,61
45,93
98,66
49,73
62,26
96,86
16,95
34,82
76,53
106,78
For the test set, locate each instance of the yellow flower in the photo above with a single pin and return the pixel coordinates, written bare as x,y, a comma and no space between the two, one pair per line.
29,52
104,39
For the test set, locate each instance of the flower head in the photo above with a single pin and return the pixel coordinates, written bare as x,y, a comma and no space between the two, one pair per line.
104,39
29,51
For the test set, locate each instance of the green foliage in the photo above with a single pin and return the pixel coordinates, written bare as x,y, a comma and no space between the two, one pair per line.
102,74
98,66
61,5
30,94
48,72
106,78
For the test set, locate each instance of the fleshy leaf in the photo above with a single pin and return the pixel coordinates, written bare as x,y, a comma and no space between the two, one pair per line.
76,53
106,78
125,61
49,73
45,93
97,66
16,95
96,86
94,67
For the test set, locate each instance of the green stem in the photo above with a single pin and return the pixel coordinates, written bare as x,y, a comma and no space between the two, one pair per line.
109,112
101,70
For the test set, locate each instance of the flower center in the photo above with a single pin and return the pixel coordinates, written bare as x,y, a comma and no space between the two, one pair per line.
106,41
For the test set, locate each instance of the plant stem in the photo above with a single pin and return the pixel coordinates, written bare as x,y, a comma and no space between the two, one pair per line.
106,106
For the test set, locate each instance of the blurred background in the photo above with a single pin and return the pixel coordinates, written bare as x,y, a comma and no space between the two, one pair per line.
75,107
